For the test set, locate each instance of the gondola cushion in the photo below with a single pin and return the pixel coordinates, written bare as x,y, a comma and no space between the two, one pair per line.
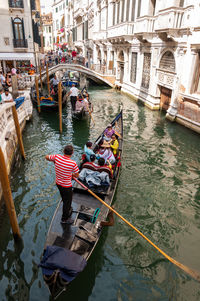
67,262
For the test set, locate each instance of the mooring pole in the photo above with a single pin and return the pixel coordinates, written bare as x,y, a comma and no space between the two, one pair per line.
37,92
48,82
60,105
18,131
41,78
8,197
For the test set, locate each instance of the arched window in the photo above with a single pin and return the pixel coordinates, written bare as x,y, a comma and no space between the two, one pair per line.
18,29
167,62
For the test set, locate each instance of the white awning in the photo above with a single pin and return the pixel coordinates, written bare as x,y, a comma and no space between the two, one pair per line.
16,56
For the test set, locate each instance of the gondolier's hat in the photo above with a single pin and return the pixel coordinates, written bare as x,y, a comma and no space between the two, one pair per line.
109,125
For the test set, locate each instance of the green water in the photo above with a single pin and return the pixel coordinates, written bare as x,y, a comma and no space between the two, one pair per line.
158,192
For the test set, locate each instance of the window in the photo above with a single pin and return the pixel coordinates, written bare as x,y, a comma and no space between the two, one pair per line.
44,41
50,40
66,2
196,83
133,11
127,10
181,3
114,8
56,9
49,29
133,67
16,3
18,29
60,7
122,11
146,70
139,8
118,6
57,24
167,62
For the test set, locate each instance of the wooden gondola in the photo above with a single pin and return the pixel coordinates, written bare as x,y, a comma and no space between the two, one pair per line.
48,103
84,111
77,241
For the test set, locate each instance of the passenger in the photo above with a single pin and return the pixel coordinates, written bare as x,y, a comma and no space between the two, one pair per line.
88,150
109,131
91,165
106,153
6,96
104,167
114,144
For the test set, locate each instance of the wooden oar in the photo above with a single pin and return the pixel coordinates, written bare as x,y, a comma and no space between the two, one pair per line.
189,271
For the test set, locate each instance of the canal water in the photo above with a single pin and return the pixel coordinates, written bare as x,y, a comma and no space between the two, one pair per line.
158,192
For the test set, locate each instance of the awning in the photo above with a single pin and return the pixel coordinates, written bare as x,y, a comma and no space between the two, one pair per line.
16,56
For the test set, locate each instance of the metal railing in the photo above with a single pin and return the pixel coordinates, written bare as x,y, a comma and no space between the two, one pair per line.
16,3
20,43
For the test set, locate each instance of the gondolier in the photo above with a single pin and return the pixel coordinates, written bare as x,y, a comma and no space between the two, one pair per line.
65,167
73,96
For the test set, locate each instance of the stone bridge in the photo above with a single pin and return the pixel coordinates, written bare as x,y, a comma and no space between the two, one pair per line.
95,76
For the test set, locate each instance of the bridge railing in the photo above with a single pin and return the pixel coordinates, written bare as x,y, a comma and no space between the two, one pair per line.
102,69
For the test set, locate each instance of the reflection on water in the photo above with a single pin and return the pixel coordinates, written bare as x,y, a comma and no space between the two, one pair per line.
158,192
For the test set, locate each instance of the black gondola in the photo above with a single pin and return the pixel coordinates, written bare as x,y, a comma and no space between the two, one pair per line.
83,110
68,247
48,103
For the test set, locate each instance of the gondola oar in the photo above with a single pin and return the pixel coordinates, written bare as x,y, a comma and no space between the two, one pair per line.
189,271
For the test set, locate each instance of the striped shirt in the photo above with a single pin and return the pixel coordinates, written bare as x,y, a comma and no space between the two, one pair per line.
64,167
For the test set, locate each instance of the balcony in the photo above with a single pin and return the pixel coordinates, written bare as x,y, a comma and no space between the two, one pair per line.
16,4
144,24
123,29
20,43
100,35
166,78
173,19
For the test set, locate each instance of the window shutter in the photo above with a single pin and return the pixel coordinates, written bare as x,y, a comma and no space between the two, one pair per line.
23,29
13,27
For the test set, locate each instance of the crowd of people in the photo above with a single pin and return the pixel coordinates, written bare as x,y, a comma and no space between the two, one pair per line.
64,56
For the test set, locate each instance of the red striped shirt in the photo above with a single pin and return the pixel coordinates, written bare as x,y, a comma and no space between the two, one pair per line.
64,167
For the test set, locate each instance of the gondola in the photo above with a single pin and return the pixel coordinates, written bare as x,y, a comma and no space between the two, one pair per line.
69,247
48,103
83,111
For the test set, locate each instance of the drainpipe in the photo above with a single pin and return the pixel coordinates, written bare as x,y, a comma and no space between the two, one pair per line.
33,37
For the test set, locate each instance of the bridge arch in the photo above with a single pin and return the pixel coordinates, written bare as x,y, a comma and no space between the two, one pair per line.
90,73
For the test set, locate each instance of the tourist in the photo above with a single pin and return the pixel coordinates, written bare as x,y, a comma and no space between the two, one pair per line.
109,131
104,168
74,54
91,165
73,96
88,150
65,169
1,91
6,96
106,153
2,79
114,144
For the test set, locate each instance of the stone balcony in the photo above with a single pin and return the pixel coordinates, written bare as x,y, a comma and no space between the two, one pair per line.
166,78
173,19
144,24
119,30
100,35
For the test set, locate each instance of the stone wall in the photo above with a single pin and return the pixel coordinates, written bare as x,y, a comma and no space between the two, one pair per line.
8,136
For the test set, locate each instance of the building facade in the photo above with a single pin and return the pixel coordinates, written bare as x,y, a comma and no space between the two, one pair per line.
19,34
47,32
150,47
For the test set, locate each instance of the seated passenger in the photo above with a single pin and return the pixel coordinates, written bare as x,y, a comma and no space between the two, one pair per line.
103,167
109,131
114,144
91,165
106,153
79,105
88,150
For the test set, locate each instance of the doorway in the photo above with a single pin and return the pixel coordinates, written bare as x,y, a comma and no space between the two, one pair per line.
165,98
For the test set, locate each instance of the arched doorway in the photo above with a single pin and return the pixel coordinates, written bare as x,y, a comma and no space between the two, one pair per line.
167,64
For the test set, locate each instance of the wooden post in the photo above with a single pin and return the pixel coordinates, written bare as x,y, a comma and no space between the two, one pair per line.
60,105
8,197
18,130
37,92
41,78
48,82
